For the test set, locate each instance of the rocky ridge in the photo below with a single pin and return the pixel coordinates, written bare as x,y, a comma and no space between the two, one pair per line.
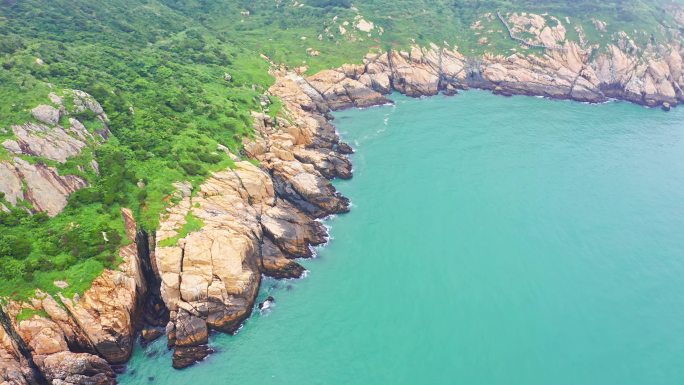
32,150
653,79
256,220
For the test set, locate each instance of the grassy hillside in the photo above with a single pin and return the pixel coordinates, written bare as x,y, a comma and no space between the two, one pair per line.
159,69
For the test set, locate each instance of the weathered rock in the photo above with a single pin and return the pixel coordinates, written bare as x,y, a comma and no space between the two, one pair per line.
77,344
191,330
254,218
413,73
83,101
210,278
46,114
341,91
73,334
293,231
106,312
45,189
150,334
650,75
43,336
12,370
47,142
330,165
188,355
77,369
306,188
275,263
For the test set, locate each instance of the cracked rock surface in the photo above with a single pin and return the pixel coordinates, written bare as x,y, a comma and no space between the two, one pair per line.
55,137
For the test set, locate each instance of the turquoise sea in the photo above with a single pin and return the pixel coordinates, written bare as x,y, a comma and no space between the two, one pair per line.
493,241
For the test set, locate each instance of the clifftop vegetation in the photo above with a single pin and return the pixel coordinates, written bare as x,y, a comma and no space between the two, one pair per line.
178,78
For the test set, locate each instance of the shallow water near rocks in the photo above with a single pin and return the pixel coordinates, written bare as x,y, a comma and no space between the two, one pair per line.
491,241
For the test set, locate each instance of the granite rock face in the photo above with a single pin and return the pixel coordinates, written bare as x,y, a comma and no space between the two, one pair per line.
651,75
255,219
57,136
46,189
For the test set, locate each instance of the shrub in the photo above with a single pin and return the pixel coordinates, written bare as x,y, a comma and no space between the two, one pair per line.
192,168
11,268
14,246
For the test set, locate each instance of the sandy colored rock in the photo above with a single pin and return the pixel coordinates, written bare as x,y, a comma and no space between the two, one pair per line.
12,371
48,142
276,264
77,369
255,218
45,188
292,230
106,311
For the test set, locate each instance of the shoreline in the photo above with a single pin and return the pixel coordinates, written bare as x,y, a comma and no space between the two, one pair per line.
257,219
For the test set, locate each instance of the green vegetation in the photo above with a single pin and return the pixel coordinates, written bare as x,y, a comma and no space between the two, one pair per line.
25,314
192,223
179,77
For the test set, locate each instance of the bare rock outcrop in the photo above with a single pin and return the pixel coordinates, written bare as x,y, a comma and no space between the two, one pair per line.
46,114
210,278
45,188
651,75
254,219
341,91
58,135
65,368
214,245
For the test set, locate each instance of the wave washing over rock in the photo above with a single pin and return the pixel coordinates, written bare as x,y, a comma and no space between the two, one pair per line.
258,218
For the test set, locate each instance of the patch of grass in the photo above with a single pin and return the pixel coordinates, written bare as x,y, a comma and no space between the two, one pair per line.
26,314
192,224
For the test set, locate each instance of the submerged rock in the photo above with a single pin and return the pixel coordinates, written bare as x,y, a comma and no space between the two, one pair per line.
150,334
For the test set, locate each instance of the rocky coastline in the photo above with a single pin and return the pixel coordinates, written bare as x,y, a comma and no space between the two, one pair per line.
261,215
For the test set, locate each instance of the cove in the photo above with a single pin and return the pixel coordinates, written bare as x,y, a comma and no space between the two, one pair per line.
492,240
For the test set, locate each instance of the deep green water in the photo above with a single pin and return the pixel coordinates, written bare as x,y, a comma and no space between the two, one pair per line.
494,241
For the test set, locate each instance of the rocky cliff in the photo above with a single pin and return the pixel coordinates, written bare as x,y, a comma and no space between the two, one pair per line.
256,220
200,272
257,217
76,340
653,78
